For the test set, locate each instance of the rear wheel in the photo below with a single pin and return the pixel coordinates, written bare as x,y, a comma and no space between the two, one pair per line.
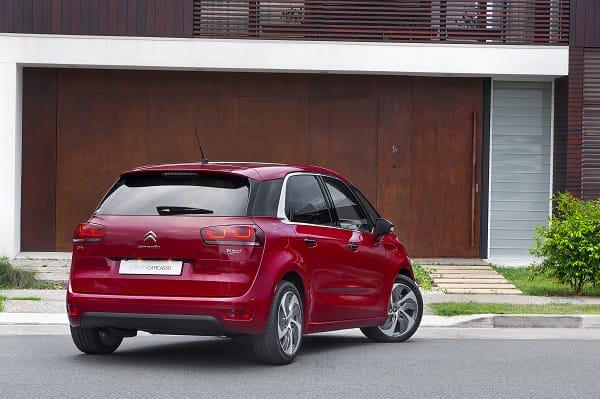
404,313
94,341
281,340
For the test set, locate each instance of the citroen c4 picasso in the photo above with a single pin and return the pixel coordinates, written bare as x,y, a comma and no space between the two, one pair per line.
271,252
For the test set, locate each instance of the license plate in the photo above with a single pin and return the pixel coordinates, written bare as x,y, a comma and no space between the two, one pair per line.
152,267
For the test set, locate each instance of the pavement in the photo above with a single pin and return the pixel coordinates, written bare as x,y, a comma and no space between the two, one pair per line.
20,310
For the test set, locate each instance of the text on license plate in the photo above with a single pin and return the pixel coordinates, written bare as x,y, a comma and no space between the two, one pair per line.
145,266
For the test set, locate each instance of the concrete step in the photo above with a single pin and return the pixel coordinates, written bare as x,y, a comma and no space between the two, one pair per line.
466,274
475,285
450,261
472,281
504,291
449,268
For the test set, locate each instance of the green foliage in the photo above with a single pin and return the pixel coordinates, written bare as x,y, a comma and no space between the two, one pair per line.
11,277
2,303
469,308
570,245
422,276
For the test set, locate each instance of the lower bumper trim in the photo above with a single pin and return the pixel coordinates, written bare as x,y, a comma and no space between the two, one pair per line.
154,323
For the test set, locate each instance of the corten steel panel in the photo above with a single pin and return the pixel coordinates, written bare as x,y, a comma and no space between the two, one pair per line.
38,185
101,127
442,220
394,165
405,142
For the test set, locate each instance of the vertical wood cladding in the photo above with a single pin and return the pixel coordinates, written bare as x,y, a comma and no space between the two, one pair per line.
585,14
590,138
561,132
575,109
582,167
160,18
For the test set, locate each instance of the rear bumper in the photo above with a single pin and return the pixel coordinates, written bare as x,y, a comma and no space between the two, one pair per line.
169,315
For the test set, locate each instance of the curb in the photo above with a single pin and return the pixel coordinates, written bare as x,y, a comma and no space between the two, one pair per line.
514,321
473,321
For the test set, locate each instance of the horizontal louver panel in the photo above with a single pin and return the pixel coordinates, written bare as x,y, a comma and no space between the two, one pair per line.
590,142
520,165
509,22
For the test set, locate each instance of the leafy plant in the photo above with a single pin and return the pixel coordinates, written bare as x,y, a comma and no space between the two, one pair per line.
570,244
422,276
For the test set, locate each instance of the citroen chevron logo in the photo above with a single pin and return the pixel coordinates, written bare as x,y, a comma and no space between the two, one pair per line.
150,236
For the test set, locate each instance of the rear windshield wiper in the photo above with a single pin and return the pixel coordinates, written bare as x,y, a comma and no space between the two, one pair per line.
182,210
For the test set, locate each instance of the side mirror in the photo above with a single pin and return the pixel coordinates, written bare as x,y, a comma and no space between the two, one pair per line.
383,227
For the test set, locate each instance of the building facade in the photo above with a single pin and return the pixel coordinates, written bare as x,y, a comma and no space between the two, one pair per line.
458,119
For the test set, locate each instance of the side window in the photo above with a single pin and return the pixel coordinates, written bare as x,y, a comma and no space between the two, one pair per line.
372,212
266,200
350,214
305,202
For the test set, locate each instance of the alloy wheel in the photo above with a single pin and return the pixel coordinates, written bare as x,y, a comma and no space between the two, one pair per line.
403,311
289,325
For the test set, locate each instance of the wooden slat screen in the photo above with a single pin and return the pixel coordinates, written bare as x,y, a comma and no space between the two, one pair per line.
590,145
454,21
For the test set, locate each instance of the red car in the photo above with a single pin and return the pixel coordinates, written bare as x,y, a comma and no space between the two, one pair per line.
268,251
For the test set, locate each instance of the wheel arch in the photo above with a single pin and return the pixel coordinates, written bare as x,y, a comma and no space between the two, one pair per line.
295,278
406,271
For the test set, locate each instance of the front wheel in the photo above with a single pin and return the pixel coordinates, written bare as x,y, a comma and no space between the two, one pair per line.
281,340
405,311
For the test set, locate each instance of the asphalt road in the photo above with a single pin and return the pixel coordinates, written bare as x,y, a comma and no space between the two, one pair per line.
474,364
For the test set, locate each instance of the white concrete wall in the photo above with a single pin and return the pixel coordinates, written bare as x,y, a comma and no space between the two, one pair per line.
10,158
17,50
283,56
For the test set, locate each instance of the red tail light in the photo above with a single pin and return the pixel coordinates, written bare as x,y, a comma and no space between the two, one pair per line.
232,235
88,232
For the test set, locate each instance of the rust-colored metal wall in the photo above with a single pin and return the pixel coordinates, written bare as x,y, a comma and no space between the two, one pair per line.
38,199
408,143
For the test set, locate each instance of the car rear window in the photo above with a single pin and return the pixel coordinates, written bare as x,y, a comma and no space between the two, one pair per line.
177,193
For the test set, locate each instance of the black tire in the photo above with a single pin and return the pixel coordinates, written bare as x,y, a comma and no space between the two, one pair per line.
272,348
94,341
405,313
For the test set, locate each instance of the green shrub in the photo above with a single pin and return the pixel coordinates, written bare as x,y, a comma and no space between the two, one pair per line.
570,244
11,277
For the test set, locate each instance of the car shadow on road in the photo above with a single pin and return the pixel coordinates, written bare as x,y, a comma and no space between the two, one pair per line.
199,352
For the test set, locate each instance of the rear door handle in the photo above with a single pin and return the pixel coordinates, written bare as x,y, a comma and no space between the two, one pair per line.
310,242
353,247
